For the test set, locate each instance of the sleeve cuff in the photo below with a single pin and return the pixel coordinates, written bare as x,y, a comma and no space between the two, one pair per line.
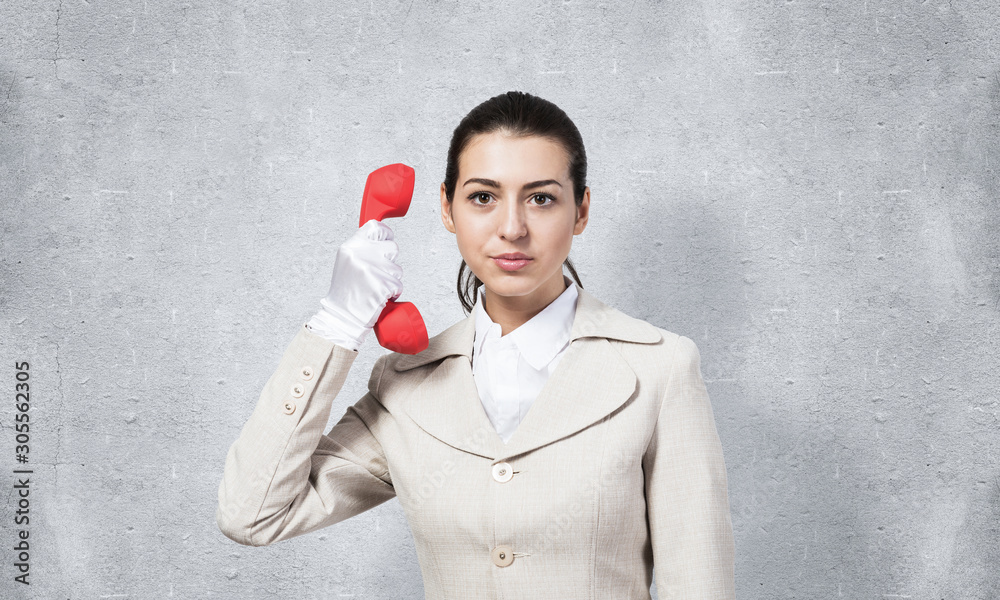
316,327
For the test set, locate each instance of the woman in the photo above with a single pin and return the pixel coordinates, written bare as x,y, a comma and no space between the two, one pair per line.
615,468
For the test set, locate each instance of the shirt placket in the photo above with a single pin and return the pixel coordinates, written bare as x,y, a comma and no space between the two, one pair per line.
510,388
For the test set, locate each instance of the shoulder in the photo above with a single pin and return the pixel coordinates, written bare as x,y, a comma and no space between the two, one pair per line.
596,318
660,356
652,351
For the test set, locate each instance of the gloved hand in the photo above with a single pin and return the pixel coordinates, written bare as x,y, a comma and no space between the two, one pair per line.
364,279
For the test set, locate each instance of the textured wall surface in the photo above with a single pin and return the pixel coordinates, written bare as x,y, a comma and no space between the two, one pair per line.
809,190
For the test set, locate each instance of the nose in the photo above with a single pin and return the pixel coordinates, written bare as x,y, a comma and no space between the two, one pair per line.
513,224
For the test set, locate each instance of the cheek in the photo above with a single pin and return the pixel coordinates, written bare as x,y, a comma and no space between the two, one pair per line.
469,230
468,238
463,247
558,236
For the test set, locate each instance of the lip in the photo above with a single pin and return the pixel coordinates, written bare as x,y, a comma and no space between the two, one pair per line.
513,256
511,264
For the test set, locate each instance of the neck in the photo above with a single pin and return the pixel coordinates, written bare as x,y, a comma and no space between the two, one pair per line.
510,312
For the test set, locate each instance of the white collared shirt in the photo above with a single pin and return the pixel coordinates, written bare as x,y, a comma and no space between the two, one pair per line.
511,370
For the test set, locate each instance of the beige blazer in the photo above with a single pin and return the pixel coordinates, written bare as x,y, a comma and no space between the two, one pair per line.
616,468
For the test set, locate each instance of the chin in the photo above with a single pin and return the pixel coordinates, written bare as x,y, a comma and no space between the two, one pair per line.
511,285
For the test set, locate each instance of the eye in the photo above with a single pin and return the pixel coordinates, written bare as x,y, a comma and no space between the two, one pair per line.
477,195
544,197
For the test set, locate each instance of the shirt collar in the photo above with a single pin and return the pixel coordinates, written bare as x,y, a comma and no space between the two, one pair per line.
541,337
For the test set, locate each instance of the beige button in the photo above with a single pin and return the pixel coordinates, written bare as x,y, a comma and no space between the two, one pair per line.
502,472
502,556
307,373
298,389
289,407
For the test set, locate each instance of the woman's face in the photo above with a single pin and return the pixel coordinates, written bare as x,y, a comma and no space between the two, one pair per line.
515,196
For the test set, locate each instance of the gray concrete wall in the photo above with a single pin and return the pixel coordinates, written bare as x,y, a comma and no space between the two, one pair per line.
807,189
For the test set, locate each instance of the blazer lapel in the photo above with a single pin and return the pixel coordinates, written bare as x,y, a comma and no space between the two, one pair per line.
590,381
446,403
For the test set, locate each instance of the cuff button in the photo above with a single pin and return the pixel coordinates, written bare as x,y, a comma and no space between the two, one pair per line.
289,407
307,373
298,389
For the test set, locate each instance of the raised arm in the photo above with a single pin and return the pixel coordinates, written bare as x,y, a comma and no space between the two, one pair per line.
686,491
282,476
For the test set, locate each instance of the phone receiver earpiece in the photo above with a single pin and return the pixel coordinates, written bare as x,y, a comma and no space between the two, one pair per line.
388,192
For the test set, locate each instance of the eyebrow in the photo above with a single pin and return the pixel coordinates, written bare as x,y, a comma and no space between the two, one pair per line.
527,186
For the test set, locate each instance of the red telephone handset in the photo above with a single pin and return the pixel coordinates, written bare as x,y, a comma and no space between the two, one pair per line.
388,191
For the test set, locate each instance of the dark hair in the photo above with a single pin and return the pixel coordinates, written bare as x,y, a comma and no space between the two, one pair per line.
518,114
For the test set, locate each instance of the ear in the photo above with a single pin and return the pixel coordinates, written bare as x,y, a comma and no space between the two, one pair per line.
449,224
582,213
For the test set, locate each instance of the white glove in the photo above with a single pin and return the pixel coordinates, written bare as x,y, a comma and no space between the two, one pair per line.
364,279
